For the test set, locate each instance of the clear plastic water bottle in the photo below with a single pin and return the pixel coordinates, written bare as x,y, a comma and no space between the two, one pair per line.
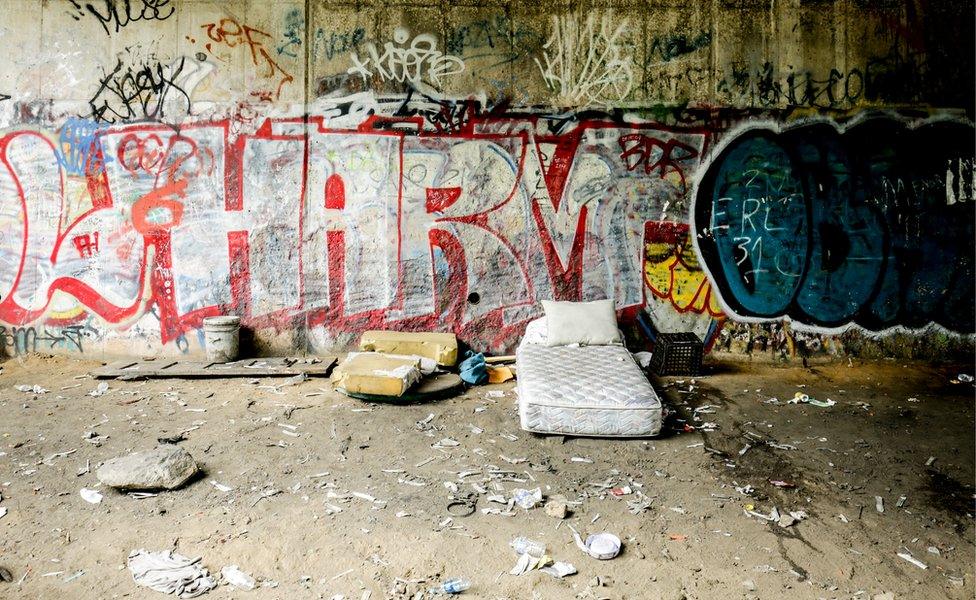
454,586
523,545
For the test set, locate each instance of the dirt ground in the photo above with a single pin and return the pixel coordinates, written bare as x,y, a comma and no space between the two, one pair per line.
313,448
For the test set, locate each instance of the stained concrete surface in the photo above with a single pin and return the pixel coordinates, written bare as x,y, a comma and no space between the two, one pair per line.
315,446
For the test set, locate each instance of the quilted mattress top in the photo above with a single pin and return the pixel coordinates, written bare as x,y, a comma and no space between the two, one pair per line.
579,377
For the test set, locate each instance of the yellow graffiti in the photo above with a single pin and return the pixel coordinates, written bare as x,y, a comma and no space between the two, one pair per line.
672,272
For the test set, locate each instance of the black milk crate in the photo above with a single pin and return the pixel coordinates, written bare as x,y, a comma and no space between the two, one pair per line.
677,354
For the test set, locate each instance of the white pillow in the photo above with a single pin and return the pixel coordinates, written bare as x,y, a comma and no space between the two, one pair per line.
583,323
535,333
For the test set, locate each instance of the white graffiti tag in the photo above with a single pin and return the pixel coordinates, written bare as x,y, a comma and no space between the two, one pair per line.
405,62
587,63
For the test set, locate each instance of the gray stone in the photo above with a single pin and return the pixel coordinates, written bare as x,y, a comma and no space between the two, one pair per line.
163,468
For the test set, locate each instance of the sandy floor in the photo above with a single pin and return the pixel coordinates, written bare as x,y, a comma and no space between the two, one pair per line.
695,541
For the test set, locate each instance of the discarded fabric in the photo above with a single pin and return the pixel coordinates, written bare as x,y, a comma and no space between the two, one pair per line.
473,369
170,573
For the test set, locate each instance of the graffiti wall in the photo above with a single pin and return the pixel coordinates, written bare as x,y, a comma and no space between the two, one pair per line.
321,170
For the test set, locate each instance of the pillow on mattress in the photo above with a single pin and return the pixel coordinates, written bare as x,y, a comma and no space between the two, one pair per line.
583,323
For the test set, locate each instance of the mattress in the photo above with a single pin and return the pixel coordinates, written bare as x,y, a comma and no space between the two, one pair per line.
585,391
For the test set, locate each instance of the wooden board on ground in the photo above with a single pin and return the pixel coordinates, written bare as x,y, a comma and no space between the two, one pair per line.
158,368
429,389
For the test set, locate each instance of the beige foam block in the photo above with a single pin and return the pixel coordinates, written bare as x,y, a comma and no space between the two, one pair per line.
441,347
377,374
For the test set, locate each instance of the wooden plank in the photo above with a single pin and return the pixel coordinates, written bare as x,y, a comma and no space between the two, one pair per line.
172,369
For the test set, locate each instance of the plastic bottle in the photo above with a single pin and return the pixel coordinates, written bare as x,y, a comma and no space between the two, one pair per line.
523,545
453,586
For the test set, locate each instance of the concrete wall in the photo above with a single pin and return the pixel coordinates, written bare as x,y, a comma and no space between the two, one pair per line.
791,177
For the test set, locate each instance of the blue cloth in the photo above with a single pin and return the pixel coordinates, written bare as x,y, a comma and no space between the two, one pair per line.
473,369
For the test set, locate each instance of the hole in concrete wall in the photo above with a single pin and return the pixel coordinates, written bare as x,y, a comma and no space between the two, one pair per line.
474,298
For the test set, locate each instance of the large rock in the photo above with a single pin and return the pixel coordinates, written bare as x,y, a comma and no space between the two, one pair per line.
164,468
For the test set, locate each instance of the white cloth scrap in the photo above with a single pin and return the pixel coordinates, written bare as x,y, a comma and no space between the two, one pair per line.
170,573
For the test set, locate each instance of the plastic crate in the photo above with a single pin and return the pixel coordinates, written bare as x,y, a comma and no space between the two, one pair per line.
677,354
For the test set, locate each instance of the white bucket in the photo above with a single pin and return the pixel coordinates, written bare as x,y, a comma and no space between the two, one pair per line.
222,335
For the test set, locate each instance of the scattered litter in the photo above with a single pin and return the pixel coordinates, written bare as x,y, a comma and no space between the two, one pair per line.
621,491
643,359
494,394
559,569
99,391
452,586
901,501
906,555
801,398
73,576
170,573
523,545
508,436
446,443
639,505
527,562
3,511
791,518
772,516
220,486
31,389
90,496
265,494
782,484
581,459
602,546
965,378
678,537
527,499
237,578
933,550
929,462
879,504
48,460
